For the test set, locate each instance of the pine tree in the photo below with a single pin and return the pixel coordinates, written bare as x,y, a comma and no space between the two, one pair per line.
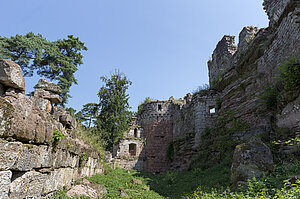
114,115
57,60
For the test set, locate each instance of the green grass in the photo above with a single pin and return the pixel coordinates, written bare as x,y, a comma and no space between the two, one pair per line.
195,184
178,184
115,180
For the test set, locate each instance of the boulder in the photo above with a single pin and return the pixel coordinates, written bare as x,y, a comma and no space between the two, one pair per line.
87,189
11,75
250,160
48,86
5,178
44,94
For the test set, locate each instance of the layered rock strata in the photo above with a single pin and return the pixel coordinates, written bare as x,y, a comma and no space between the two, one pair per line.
33,164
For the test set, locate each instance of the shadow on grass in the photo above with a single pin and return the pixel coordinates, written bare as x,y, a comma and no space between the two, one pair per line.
178,184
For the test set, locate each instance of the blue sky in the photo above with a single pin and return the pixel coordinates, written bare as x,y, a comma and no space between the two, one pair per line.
161,45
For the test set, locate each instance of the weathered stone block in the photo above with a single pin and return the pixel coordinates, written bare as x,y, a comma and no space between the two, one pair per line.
28,159
48,86
290,115
250,160
9,154
58,179
5,179
6,114
11,75
29,185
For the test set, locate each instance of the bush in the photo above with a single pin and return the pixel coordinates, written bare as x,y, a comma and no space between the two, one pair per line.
290,72
270,97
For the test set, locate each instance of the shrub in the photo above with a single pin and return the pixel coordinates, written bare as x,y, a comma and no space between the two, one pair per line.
270,96
202,90
290,72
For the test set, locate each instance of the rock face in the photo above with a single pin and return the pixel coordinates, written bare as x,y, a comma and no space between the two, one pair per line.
48,86
11,75
250,160
31,164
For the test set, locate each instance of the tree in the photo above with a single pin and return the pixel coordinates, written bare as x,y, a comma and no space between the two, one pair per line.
89,113
57,60
114,115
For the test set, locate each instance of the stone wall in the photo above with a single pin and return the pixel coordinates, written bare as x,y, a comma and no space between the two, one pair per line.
157,130
32,163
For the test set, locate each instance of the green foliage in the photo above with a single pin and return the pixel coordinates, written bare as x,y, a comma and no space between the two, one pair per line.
290,72
141,107
88,114
216,143
115,180
57,137
82,159
89,136
270,97
202,90
63,195
170,151
274,185
114,115
57,60
177,184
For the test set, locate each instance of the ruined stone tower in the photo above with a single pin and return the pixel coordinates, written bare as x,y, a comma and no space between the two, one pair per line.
157,127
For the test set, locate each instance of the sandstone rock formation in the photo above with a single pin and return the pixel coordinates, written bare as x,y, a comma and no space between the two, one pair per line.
250,160
11,75
31,164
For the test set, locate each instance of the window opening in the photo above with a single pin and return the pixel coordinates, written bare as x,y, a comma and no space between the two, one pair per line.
132,149
212,110
135,132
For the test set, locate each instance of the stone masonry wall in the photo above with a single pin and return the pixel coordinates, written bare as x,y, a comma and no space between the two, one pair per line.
157,129
32,165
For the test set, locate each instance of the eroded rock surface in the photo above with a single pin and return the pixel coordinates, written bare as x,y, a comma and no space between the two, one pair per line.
11,75
250,160
31,164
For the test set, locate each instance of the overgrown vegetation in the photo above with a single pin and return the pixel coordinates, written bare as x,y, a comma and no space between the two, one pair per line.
287,86
217,145
57,137
116,180
196,183
82,159
201,90
141,107
89,136
270,96
290,72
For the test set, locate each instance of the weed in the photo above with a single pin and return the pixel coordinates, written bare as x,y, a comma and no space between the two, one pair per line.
57,137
